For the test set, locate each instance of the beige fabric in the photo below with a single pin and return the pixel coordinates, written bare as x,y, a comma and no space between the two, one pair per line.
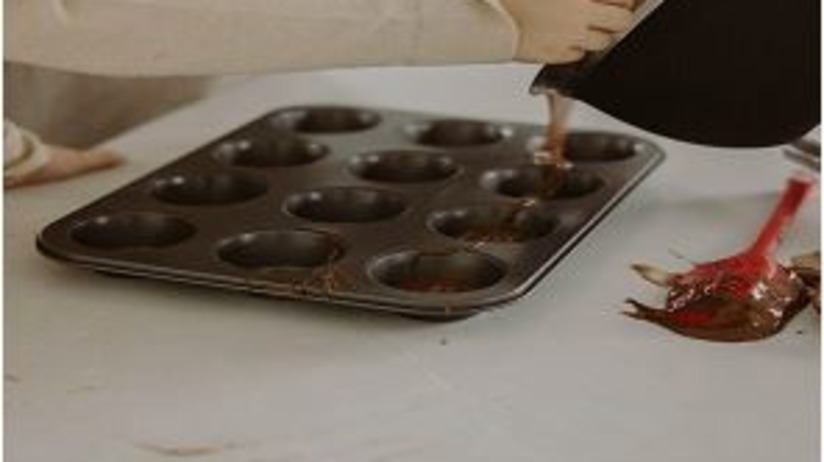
186,37
79,111
128,38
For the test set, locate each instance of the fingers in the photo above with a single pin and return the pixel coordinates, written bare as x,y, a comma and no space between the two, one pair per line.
596,40
562,31
68,163
570,55
98,160
610,18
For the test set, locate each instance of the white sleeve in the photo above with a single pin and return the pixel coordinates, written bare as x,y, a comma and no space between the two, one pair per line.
191,37
23,152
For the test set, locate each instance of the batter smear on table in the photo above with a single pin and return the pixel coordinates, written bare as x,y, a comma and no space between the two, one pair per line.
746,297
808,268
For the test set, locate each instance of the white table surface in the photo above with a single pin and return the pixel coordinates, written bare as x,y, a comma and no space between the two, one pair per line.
105,369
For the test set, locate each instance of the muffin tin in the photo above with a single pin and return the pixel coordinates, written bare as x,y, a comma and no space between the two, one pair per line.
397,211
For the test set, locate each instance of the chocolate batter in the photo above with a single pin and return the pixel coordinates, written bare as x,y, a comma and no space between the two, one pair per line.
505,232
714,308
553,151
552,156
808,268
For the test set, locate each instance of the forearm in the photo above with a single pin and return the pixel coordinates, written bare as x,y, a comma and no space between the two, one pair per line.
189,37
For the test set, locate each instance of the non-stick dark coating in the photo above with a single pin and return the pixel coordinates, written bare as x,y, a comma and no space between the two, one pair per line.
413,213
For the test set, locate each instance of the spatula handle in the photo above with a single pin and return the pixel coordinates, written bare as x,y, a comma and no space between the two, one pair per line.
798,189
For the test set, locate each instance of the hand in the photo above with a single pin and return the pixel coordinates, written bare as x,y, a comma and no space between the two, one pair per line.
66,163
561,31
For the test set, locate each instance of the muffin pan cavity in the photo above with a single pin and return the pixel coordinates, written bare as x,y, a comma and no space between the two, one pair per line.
582,147
438,272
401,166
494,224
288,151
346,205
329,120
281,249
456,133
208,189
542,182
132,230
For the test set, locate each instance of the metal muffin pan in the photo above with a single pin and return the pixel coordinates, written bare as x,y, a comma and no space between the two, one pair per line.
374,208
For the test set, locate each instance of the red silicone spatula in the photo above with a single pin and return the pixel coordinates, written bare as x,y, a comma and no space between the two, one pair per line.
744,297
